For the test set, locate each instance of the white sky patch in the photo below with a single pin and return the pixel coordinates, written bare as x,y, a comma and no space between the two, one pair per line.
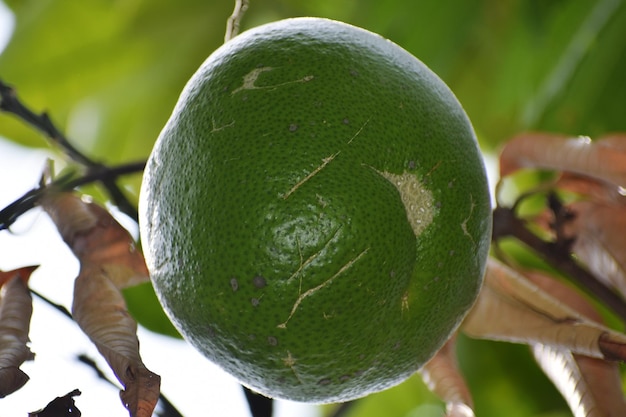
7,23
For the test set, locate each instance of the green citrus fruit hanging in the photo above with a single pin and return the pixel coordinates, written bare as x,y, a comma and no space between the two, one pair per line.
315,214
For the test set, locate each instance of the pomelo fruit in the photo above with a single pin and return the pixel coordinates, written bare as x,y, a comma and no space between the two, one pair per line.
315,213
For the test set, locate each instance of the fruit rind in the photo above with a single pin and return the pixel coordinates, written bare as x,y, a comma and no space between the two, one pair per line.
306,195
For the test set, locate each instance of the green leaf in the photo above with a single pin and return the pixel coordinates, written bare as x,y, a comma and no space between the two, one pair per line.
144,306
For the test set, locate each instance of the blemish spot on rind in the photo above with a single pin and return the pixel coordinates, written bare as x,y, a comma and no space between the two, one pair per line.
324,381
259,282
417,199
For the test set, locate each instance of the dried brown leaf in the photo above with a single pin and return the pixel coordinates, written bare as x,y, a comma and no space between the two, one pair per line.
100,311
443,377
591,189
15,312
511,308
22,273
96,237
603,159
600,240
109,261
591,386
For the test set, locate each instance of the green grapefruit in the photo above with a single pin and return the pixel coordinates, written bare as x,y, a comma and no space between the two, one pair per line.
315,214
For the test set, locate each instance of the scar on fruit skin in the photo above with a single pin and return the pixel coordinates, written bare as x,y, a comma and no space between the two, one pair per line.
417,200
289,361
305,263
464,223
310,175
250,79
325,162
312,291
215,128
404,303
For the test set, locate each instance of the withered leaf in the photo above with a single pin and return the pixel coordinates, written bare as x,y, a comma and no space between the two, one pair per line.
600,241
511,308
108,262
96,237
591,386
591,189
22,273
15,313
603,159
443,377
100,311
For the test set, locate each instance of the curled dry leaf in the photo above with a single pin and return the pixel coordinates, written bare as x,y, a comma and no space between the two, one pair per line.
108,262
15,313
591,189
595,225
603,159
511,308
22,273
96,237
444,378
591,386
600,241
100,311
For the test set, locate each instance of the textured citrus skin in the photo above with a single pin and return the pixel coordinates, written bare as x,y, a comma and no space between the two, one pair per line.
315,214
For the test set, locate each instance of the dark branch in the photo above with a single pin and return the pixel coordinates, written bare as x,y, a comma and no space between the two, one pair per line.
13,211
10,103
343,409
506,223
60,308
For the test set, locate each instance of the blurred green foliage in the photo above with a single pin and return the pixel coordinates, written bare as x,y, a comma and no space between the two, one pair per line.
110,73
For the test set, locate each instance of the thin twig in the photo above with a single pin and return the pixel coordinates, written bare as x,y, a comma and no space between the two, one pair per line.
42,122
232,24
60,308
13,211
10,103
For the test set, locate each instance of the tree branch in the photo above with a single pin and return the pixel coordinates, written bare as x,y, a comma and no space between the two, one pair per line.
10,103
232,24
556,254
13,211
342,409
